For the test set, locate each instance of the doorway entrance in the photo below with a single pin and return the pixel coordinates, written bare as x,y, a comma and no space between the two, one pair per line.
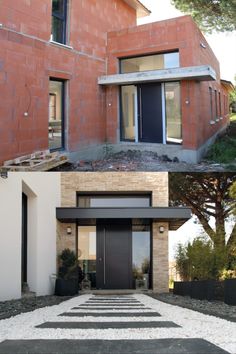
151,113
114,254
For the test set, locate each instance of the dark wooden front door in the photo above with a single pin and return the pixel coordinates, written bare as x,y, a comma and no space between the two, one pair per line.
150,113
114,255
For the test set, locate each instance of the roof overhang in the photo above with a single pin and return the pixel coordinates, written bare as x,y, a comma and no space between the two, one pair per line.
174,216
228,85
141,10
199,73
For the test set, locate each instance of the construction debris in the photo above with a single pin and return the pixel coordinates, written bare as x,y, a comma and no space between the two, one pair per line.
38,161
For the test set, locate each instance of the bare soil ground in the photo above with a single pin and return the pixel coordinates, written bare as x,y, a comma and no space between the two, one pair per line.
140,161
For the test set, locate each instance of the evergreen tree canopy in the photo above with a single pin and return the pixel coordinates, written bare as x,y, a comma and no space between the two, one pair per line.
208,195
210,15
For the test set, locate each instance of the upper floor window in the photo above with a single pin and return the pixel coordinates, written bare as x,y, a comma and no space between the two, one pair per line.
113,201
59,17
150,62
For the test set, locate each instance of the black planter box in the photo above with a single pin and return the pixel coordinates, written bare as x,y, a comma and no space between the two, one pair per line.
182,288
199,289
66,287
230,291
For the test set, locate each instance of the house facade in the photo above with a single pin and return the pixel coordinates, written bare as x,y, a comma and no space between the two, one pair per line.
116,223
118,227
78,75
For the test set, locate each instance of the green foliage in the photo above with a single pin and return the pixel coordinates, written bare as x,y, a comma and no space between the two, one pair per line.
223,150
200,260
182,262
68,268
210,15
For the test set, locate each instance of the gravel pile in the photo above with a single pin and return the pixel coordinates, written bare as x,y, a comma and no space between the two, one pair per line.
213,308
27,304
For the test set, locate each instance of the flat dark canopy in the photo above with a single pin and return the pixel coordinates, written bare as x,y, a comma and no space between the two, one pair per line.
174,216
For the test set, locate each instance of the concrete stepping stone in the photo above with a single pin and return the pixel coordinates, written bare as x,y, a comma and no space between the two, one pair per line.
97,305
110,314
62,346
83,307
108,325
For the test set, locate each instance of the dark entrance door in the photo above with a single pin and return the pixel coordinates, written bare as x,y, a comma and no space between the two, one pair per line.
150,113
24,240
114,254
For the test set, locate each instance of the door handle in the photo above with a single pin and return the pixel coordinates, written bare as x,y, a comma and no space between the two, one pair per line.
100,259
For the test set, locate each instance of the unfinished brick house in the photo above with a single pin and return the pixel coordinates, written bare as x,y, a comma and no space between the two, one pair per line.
78,75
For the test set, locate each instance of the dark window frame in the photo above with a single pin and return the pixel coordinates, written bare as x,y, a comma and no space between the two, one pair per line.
62,18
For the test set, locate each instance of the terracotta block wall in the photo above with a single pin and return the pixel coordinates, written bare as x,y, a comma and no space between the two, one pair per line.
156,183
28,59
175,34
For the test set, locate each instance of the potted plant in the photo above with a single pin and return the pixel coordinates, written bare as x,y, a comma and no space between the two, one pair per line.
67,283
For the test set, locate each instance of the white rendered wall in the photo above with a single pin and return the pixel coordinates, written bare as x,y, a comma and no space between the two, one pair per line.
43,191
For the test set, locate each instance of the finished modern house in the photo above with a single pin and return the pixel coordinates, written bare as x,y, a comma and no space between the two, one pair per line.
116,223
79,75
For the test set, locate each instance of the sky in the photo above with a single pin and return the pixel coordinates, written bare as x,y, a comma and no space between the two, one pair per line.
223,45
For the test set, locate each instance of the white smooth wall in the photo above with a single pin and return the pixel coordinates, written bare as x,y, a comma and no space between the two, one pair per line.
43,191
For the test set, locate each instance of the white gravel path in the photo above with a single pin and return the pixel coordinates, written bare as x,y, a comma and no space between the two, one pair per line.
194,324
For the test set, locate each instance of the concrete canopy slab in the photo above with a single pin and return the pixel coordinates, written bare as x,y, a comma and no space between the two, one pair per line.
199,73
175,216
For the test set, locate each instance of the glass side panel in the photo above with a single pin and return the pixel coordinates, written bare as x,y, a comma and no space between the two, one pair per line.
150,62
55,114
57,30
87,255
128,100
173,112
141,256
58,7
113,201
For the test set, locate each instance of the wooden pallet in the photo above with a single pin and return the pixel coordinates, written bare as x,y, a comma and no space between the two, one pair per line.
38,161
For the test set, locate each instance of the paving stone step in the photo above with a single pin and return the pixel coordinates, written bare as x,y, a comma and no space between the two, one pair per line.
97,305
107,325
83,307
62,346
112,303
110,314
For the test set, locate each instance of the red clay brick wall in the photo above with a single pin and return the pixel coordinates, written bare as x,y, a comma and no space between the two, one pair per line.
182,34
27,60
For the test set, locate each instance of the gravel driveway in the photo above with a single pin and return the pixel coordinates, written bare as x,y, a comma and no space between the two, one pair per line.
116,324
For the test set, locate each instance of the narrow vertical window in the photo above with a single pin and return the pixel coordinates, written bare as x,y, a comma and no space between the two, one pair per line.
216,106
56,114
211,103
173,112
220,110
59,17
128,96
